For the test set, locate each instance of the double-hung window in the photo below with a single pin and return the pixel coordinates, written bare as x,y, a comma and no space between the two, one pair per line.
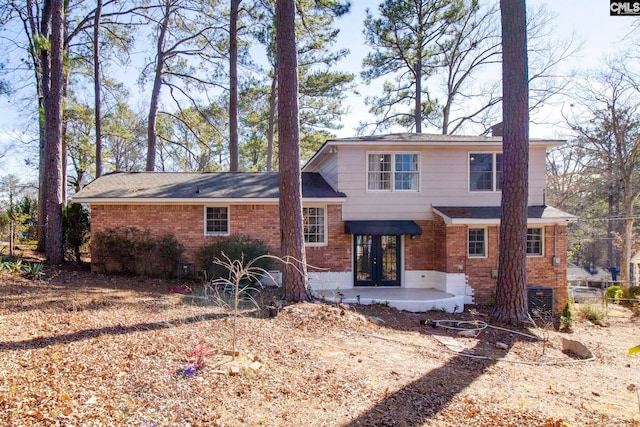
534,242
485,171
393,171
314,226
477,243
216,221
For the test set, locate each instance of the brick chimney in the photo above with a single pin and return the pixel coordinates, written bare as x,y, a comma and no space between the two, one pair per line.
496,130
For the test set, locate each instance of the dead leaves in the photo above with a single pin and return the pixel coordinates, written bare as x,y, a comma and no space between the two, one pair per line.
94,351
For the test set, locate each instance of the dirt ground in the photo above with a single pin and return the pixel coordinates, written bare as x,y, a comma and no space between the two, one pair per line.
82,349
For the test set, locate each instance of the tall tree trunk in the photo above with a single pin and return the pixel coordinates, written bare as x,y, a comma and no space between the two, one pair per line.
233,86
273,99
626,246
96,86
511,304
55,201
292,238
66,76
43,79
42,173
418,101
152,138
613,204
626,252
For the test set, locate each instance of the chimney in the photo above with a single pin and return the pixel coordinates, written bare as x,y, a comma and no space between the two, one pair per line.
496,130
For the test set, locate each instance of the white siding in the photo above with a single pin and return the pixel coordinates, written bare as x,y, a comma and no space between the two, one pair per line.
329,170
444,181
537,175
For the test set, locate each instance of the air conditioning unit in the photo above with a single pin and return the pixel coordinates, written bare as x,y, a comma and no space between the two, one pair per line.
540,301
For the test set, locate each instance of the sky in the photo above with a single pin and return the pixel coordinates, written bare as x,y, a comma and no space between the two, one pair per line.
601,34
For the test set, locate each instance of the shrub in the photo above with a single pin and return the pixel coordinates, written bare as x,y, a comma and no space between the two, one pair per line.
126,245
634,292
614,293
168,253
11,266
566,318
34,270
235,247
591,312
130,246
75,228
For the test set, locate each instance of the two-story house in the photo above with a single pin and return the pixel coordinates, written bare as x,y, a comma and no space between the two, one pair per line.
406,219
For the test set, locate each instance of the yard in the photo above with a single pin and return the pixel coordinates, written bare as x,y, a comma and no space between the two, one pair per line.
81,349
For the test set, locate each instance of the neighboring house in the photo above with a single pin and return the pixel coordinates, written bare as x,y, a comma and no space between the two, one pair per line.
590,276
400,211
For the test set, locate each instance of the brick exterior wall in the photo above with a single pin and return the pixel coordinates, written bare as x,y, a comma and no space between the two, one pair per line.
186,223
480,271
337,255
420,252
439,248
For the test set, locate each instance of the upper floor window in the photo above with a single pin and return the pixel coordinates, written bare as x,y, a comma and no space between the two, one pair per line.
217,220
534,241
393,171
314,225
485,171
477,241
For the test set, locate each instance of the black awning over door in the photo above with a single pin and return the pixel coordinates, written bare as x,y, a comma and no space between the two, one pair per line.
382,228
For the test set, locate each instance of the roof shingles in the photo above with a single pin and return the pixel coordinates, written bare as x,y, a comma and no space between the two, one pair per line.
198,185
495,212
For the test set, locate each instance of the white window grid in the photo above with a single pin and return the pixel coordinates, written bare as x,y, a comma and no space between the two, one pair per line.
216,220
393,171
477,242
535,241
315,225
489,179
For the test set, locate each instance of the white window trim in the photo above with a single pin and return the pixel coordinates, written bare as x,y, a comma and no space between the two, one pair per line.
494,172
326,230
207,233
486,243
393,172
542,229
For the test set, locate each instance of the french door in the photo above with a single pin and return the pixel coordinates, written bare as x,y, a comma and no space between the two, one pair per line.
377,260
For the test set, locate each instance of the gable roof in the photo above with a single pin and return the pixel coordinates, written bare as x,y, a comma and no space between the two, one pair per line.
198,186
434,139
576,273
492,214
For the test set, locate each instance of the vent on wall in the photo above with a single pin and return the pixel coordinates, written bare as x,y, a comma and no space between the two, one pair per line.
540,301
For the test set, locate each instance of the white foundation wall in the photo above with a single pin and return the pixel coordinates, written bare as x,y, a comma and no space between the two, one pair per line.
452,283
331,280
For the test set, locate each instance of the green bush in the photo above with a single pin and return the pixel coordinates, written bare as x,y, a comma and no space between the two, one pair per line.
566,318
168,253
75,228
236,247
126,245
34,270
614,293
137,251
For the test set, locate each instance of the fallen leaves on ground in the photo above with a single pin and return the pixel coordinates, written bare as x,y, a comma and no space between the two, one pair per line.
82,349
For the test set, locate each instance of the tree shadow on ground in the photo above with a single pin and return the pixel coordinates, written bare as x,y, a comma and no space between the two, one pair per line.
41,342
419,401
